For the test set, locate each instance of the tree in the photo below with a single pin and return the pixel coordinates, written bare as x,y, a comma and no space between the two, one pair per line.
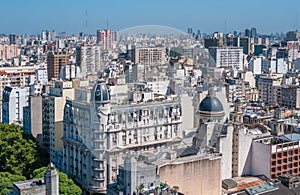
19,153
66,185
6,182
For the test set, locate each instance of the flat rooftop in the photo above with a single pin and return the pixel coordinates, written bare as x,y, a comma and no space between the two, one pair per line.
268,187
27,184
244,183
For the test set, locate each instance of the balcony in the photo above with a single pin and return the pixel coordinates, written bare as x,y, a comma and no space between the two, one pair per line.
101,168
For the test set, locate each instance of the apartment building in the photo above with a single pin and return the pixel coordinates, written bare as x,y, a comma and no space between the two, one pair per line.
97,134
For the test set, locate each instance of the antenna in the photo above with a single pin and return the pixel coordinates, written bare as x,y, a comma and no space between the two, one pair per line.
225,26
86,24
107,24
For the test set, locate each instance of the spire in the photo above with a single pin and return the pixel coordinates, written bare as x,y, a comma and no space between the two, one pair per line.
51,180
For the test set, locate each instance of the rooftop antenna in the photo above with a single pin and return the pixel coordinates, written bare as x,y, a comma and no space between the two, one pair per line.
107,24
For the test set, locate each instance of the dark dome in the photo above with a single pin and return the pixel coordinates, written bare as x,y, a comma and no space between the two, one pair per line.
211,104
101,92
237,101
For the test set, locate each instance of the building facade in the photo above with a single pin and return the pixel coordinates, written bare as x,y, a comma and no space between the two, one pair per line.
13,101
55,61
52,116
88,58
98,134
150,55
227,57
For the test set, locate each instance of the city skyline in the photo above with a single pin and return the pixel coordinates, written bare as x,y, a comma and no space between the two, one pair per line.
30,17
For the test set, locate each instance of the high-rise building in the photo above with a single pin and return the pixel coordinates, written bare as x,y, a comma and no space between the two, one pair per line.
227,57
14,77
88,58
247,33
243,42
52,116
253,33
106,39
55,61
32,115
268,86
12,39
8,51
14,99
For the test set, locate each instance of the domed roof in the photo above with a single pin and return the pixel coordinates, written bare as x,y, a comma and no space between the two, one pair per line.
211,104
237,101
101,92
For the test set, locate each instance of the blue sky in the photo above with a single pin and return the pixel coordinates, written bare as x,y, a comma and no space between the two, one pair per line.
30,16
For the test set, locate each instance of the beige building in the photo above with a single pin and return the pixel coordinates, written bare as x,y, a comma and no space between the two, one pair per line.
194,175
88,58
268,86
8,51
53,112
150,55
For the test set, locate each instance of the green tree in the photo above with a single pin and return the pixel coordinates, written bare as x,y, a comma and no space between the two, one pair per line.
66,185
19,153
6,182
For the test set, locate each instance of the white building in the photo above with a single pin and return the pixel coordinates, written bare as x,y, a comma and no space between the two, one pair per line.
88,58
13,101
255,65
97,134
227,57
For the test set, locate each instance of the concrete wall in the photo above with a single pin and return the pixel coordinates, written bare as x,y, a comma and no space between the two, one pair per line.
260,161
194,177
187,112
245,142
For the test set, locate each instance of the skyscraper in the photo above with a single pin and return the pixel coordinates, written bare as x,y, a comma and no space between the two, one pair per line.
12,39
247,32
253,32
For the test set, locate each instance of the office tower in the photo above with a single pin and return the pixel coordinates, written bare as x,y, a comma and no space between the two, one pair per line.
88,58
227,57
253,32
247,33
12,39
55,61
243,42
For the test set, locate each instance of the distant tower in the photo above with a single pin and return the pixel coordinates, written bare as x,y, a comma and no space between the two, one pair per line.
51,180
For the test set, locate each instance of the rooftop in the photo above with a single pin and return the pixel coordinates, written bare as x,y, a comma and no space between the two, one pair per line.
268,187
27,184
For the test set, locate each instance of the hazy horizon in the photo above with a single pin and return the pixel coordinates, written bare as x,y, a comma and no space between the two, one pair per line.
31,16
